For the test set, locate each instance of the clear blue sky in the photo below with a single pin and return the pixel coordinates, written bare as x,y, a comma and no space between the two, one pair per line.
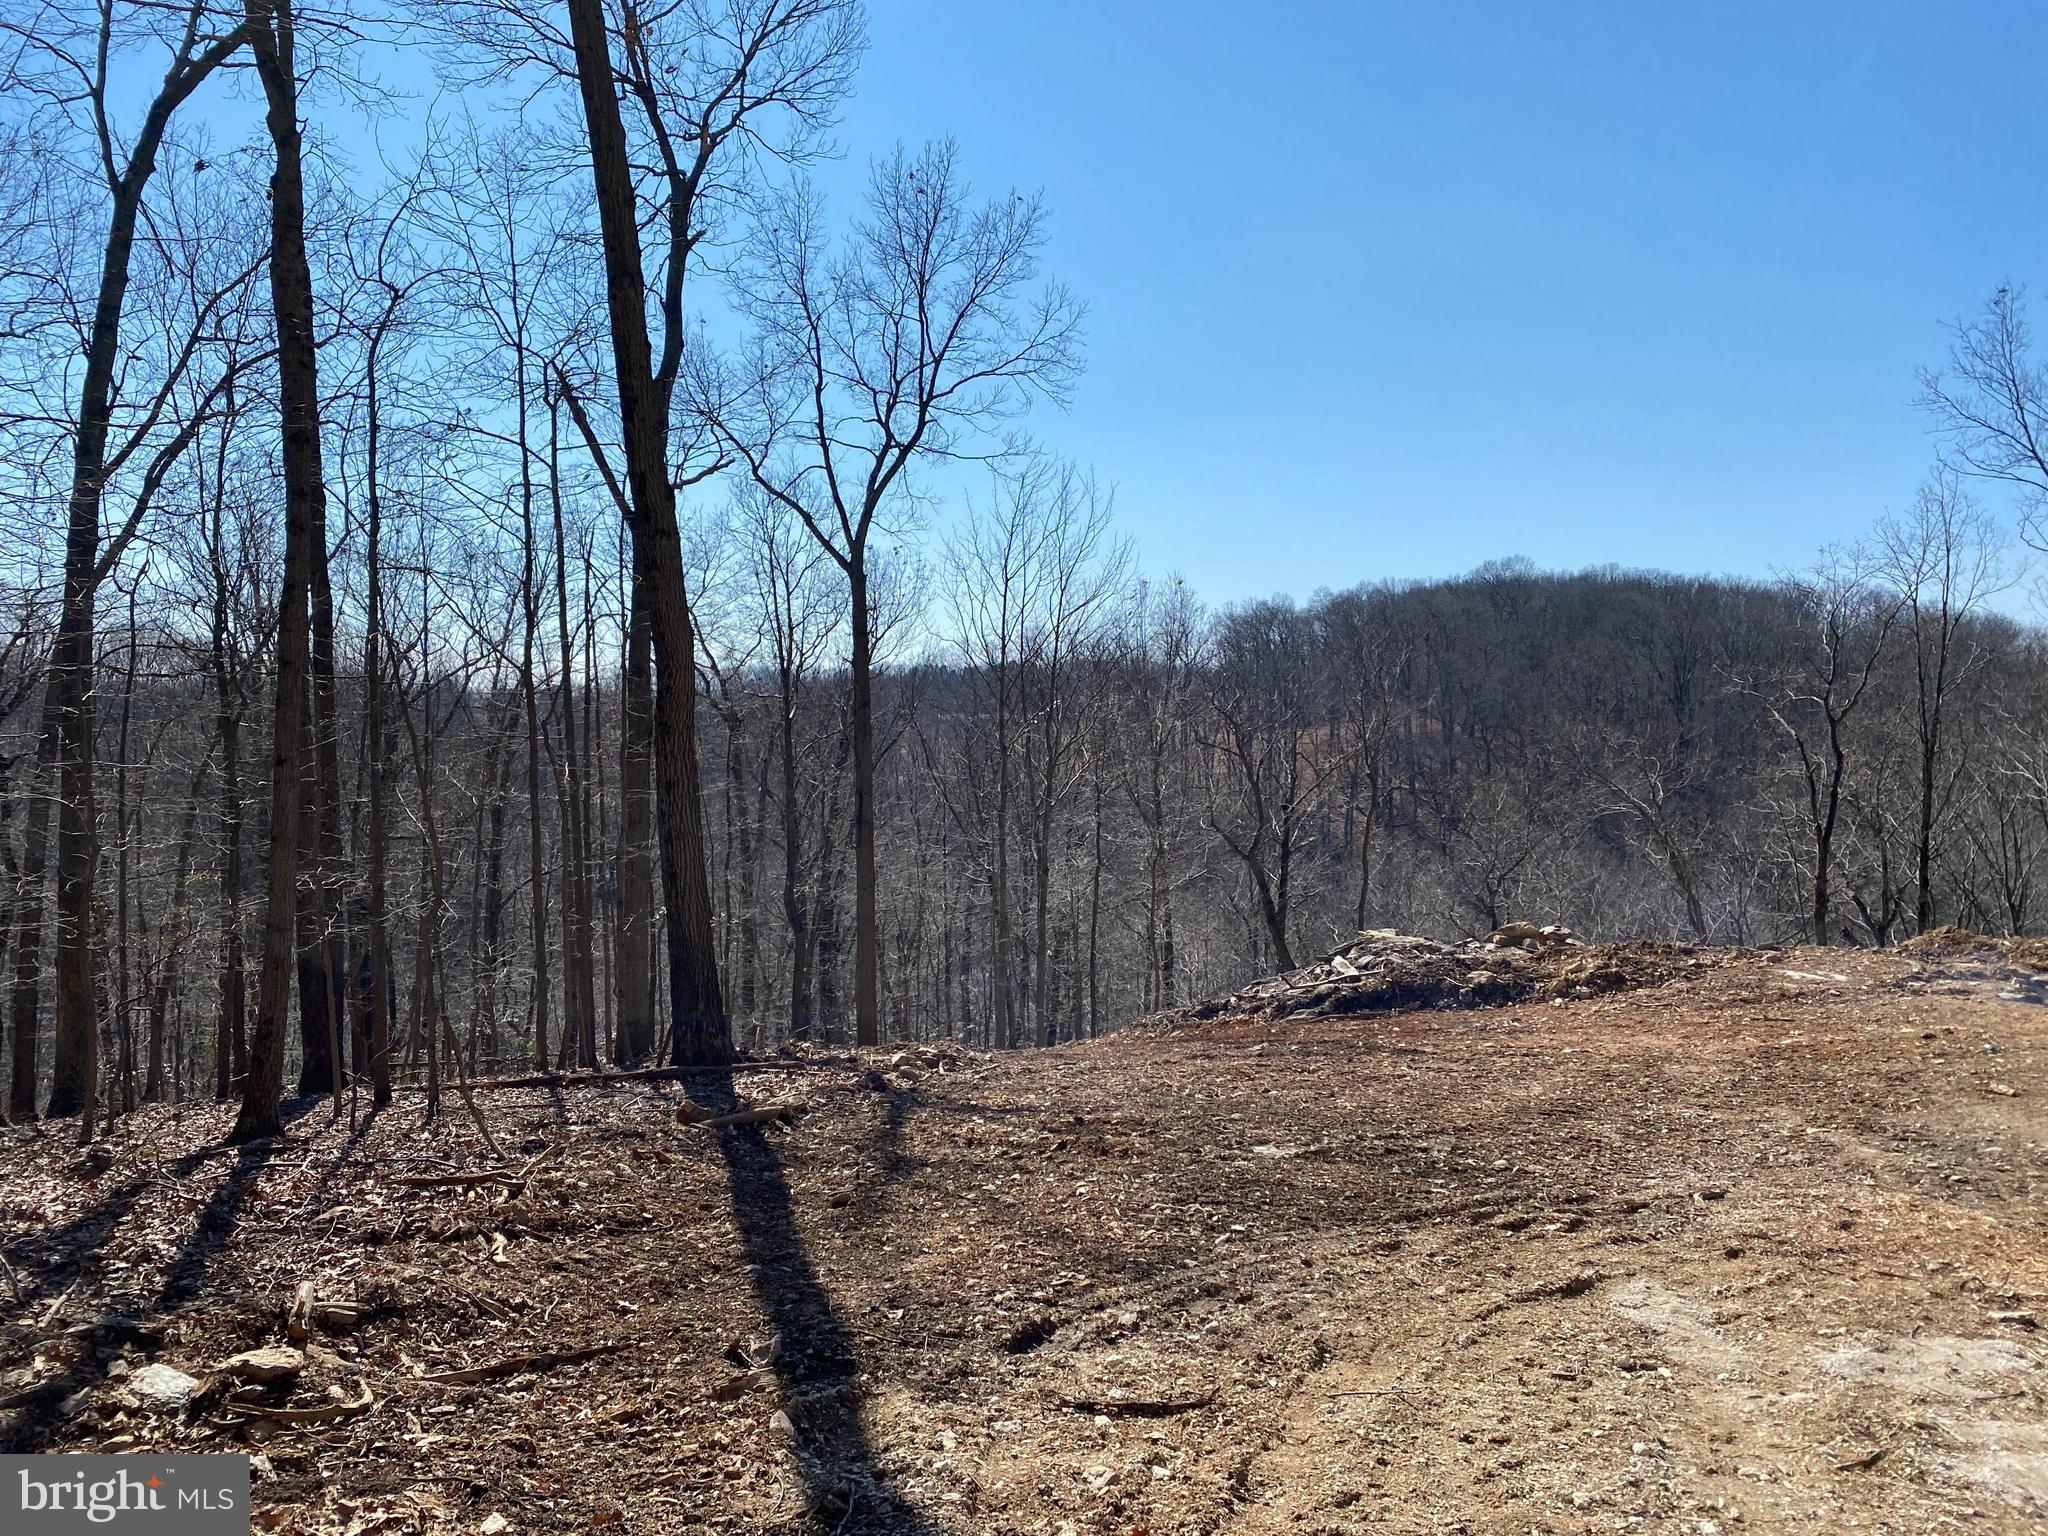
1388,289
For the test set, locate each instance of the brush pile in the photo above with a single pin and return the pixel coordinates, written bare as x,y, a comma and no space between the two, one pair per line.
1384,971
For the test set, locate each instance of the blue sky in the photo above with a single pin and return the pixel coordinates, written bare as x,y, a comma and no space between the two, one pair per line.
1386,290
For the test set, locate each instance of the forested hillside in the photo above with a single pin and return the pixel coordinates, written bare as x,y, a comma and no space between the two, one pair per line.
1084,825
440,636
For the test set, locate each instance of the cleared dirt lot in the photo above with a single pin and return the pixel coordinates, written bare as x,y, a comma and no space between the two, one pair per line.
1757,1249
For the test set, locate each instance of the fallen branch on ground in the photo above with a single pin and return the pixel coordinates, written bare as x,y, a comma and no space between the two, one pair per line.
746,1117
330,1413
519,1365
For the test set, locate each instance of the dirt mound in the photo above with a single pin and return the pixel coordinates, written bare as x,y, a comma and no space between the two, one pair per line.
1385,971
1951,941
1947,940
1602,968
2028,954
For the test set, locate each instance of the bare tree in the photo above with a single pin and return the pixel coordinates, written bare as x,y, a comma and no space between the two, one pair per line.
1847,615
917,342
65,57
273,40
1945,559
1266,769
706,89
1991,405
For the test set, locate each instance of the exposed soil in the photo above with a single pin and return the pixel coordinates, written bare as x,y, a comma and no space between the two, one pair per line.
1758,1246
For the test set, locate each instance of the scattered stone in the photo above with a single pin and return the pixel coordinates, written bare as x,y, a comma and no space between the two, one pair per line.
493,1524
265,1365
163,1386
733,1388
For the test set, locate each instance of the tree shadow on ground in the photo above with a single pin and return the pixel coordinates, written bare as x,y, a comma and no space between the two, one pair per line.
814,1362
892,1162
35,1420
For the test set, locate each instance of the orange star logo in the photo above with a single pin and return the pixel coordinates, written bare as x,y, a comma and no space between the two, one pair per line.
155,1481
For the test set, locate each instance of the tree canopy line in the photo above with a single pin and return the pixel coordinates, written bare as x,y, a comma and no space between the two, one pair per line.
562,595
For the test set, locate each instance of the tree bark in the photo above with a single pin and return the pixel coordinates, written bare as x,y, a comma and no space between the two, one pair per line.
68,703
291,288
699,1029
633,974
867,954
579,993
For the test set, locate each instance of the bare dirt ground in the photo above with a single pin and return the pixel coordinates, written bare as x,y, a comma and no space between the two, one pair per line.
1757,1248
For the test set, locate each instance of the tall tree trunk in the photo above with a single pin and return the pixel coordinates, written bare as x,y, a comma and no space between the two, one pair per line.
792,863
699,1030
529,600
1095,916
291,289
231,1024
377,915
68,700
174,935
579,995
322,944
25,1001
633,973
867,954
231,1035
124,996
1923,846
825,919
1002,957
500,779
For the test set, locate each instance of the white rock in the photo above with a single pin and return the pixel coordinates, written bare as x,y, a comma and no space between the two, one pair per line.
163,1386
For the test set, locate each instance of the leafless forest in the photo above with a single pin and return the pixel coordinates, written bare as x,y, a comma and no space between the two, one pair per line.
543,589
